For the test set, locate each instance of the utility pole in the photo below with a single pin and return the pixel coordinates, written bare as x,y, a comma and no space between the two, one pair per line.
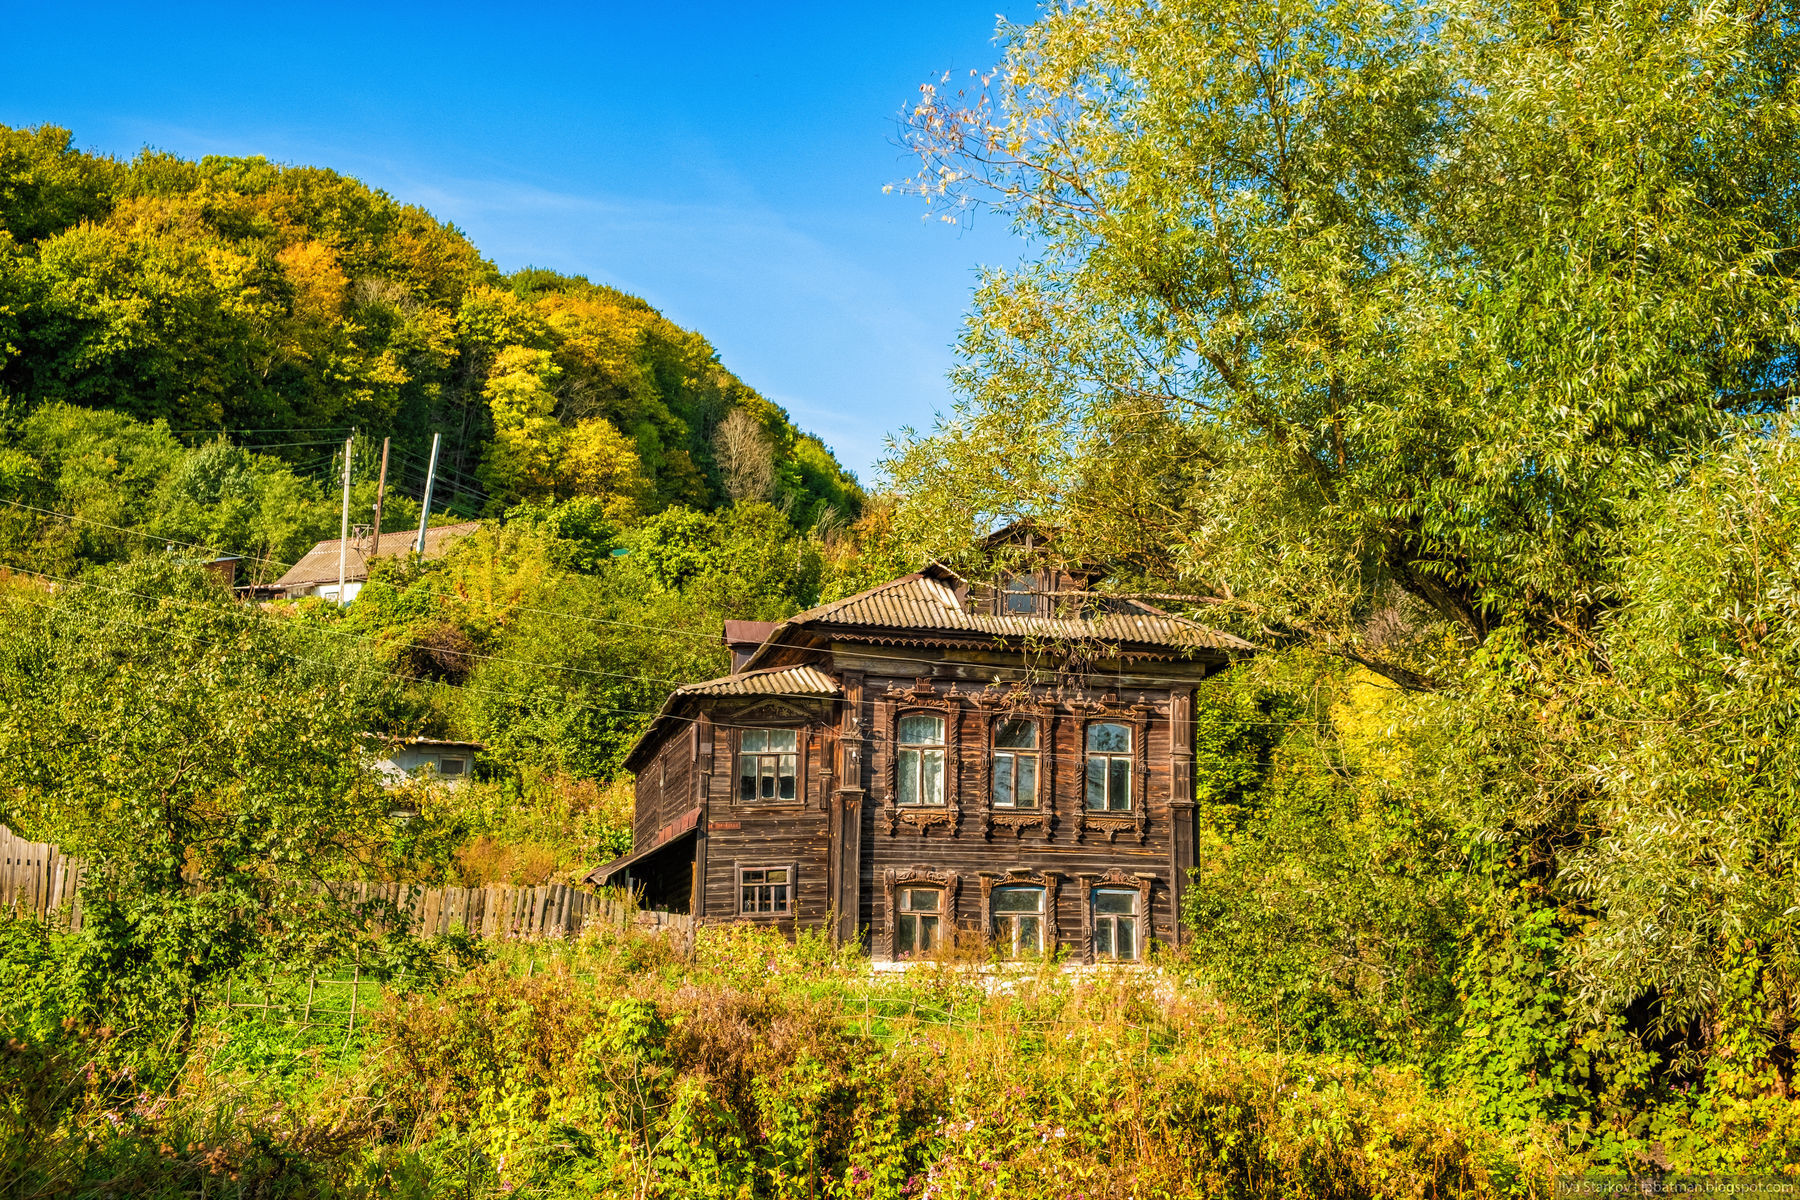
380,491
425,508
344,534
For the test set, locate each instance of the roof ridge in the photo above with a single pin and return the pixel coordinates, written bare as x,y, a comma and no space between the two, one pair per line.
919,576
759,673
865,593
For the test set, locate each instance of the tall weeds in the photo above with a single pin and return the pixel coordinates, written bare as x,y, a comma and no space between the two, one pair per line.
759,1069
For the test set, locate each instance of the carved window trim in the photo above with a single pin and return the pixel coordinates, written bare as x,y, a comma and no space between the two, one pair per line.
892,880
1136,717
1050,881
994,706
1018,820
896,703
1116,878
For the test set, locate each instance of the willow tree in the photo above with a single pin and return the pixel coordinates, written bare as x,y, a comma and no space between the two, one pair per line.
1458,341
1364,316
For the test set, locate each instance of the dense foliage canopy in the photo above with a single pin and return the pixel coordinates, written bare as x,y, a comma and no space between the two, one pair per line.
1450,351
286,305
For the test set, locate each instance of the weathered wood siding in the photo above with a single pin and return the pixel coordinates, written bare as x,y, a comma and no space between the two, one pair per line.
797,835
850,845
666,787
968,844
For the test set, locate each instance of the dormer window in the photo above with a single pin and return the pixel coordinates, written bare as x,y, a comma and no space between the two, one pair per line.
1020,597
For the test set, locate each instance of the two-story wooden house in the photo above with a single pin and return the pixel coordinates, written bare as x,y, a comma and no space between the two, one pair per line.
1013,756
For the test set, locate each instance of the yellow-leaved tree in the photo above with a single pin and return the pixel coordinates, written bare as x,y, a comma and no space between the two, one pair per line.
600,461
520,462
535,457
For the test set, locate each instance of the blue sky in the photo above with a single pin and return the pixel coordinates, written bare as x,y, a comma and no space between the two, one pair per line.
724,161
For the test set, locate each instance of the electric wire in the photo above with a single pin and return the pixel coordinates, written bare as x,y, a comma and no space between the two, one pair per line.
370,639
527,697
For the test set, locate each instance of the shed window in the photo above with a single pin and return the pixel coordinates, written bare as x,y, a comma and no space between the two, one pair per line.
1019,920
1116,923
768,762
916,923
921,760
765,890
453,766
1109,768
1015,764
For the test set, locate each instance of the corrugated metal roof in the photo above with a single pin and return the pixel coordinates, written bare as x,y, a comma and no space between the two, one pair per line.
921,601
320,565
772,681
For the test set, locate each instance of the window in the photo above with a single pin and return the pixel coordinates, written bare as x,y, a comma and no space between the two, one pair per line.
1020,598
1015,764
768,760
916,922
1019,920
766,890
453,766
1109,768
1115,923
921,765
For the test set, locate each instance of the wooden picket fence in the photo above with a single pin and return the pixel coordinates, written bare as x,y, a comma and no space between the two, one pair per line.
37,878
500,910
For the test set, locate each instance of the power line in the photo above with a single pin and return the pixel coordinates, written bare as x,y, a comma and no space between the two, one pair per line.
271,429
450,596
470,482
343,633
523,697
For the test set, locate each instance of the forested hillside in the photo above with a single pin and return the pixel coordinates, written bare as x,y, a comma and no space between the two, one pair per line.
185,346
275,309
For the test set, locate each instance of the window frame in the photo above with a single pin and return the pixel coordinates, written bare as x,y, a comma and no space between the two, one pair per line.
462,766
791,885
1113,759
738,754
1035,753
1113,922
920,751
1010,920
902,914
1023,585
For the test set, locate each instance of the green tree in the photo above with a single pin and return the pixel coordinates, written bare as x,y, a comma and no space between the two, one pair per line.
1338,305
200,754
1458,343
